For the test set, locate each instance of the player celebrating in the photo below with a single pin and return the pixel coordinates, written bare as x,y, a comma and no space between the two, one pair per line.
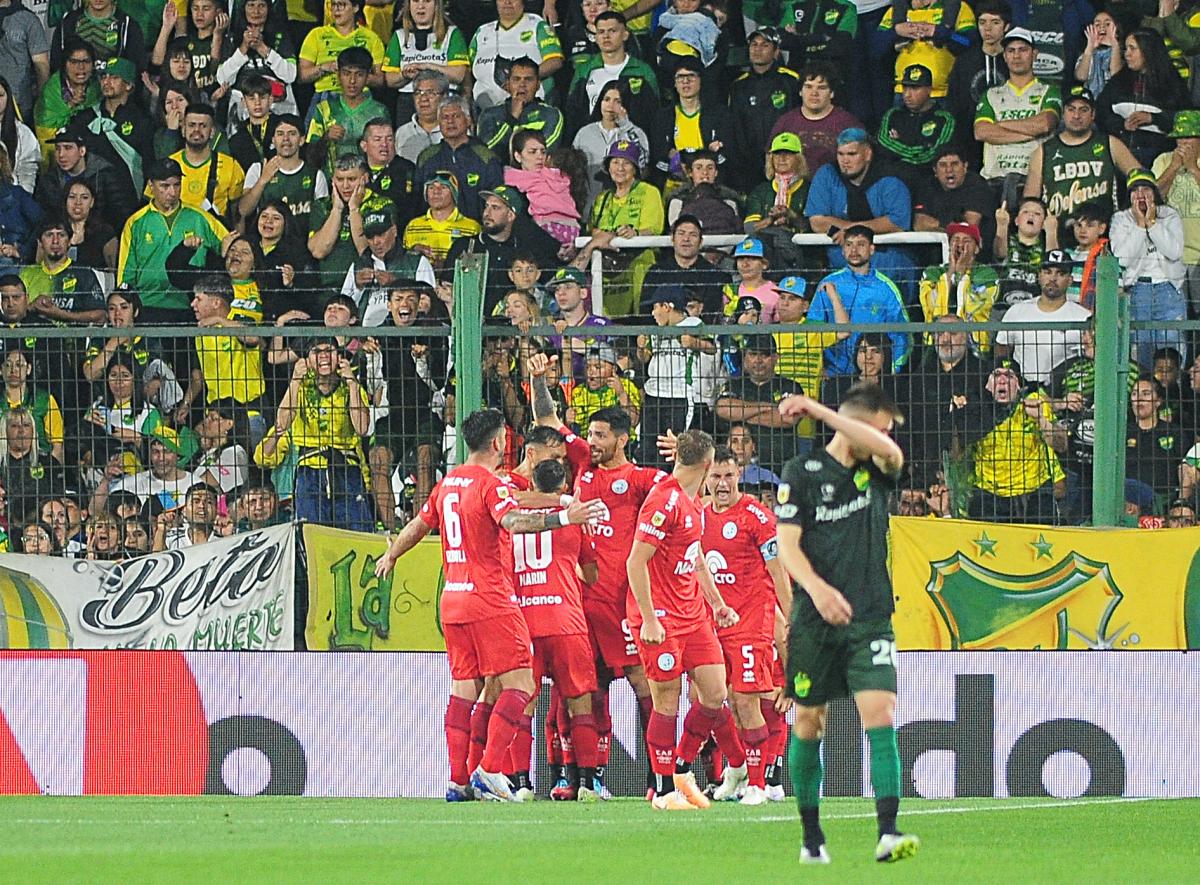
675,632
475,510
620,487
550,597
833,523
740,549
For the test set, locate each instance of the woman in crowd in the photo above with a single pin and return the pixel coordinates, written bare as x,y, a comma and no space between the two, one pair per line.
1102,56
173,99
155,375
19,140
285,262
20,394
424,40
93,240
19,215
547,189
37,539
258,44
1139,103
610,124
225,446
122,411
629,208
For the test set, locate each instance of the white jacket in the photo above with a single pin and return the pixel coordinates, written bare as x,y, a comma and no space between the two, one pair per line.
1155,253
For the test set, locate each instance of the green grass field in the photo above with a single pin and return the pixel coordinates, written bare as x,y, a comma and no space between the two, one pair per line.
50,839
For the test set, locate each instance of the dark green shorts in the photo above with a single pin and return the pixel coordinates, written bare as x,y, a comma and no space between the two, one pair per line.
827,662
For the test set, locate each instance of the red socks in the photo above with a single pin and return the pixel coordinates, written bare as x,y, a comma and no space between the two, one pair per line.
777,725
479,731
503,726
603,725
702,721
725,731
755,741
458,738
521,750
660,740
585,740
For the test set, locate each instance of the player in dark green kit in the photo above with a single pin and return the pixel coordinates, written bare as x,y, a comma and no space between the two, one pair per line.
833,523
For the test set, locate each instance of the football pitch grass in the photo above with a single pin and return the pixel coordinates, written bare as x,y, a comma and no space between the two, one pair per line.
213,839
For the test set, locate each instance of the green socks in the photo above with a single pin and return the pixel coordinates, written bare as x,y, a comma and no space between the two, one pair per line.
885,776
804,764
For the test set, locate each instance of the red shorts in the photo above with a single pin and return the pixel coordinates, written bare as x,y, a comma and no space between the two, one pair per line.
777,676
680,653
488,648
612,642
748,662
568,661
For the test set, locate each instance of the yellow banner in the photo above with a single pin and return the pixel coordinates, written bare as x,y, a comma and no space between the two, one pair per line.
350,609
971,585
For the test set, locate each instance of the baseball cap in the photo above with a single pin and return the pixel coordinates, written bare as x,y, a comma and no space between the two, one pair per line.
1187,125
1140,178
916,75
509,196
794,285
750,248
1008,364
1018,34
567,275
70,134
759,344
767,33
168,437
603,352
377,221
120,67
745,303
1079,93
787,141
962,227
852,135
449,179
626,150
1058,258
672,294
160,170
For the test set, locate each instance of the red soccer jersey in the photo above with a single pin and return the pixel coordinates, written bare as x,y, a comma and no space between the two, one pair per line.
467,506
737,545
579,453
622,489
672,522
518,482
548,590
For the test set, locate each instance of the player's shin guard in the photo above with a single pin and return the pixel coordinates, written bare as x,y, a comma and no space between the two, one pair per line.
776,745
755,741
458,738
505,722
660,741
603,726
725,731
804,761
885,776
583,735
566,734
479,732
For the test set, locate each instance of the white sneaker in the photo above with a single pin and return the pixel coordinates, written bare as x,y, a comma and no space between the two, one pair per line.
822,856
494,787
734,780
524,795
753,796
775,793
896,846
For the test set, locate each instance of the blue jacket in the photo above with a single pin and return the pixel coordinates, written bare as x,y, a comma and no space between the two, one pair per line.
19,214
869,298
886,195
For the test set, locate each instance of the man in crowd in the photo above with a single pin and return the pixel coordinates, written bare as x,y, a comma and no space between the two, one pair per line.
817,120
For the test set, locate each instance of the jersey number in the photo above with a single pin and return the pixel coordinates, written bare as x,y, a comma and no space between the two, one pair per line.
748,657
451,524
883,653
532,551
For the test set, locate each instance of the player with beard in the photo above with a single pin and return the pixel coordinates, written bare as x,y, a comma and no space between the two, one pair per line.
668,587
475,512
740,549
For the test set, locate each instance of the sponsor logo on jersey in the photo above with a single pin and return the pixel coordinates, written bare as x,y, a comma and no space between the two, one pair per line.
729,531
812,465
842,511
718,565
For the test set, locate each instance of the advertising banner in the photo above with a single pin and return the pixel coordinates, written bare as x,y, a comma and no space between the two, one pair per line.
232,594
1061,724
349,608
970,585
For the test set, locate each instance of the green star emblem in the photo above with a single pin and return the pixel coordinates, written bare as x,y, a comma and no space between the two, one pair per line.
1042,546
986,545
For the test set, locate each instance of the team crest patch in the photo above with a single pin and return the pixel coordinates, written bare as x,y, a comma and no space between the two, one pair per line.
666,661
862,479
729,531
620,487
501,491
1166,442
783,493
658,518
778,100
526,36
827,491
472,178
831,16
635,85
927,128
1097,149
802,685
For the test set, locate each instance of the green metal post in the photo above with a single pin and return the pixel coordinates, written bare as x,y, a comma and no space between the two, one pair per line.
470,277
1112,372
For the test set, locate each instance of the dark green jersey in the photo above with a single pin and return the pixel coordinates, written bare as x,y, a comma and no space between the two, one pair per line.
1076,174
843,514
296,189
333,266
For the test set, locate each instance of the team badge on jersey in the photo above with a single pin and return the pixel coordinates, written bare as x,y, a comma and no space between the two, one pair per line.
729,531
862,479
666,661
927,128
620,487
778,99
827,491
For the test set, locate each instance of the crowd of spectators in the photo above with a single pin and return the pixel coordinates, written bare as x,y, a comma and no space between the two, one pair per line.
320,167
